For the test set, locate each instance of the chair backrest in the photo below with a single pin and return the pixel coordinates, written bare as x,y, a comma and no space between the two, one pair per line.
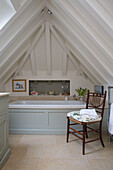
96,101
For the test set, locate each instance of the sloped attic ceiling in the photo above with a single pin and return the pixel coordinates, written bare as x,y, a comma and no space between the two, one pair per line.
7,9
6,12
83,28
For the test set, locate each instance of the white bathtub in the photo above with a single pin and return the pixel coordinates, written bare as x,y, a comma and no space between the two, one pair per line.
32,104
41,117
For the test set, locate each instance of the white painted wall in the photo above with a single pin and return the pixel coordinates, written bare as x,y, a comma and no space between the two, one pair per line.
76,80
2,87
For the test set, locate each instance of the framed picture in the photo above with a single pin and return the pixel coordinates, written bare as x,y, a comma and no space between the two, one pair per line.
19,85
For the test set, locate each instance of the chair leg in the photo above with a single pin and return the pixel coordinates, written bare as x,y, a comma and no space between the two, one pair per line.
68,121
100,134
84,129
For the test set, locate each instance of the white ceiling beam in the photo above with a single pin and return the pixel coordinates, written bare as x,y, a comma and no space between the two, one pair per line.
102,12
77,62
19,41
33,63
16,4
14,61
77,65
91,74
64,63
30,49
10,75
67,51
24,44
95,38
48,49
65,31
81,57
84,42
97,32
92,12
28,12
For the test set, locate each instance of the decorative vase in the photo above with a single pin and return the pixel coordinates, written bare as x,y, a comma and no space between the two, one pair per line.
66,98
81,98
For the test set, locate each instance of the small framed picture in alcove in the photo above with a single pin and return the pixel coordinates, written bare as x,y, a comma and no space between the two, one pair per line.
19,85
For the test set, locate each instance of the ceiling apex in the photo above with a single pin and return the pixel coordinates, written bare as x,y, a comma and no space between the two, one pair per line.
46,11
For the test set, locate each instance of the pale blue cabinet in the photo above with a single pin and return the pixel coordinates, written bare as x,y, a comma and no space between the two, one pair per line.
4,130
35,121
3,135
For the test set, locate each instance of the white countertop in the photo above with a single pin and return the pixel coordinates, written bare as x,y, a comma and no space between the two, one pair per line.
4,94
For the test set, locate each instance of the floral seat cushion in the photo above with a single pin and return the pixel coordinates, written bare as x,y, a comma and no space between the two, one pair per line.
83,118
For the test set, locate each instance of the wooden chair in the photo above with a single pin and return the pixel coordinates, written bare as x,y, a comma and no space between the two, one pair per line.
96,101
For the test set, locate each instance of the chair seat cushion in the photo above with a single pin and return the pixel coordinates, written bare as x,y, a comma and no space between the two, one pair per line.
83,118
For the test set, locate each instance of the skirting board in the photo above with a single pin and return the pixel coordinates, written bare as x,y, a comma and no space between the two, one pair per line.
41,131
37,131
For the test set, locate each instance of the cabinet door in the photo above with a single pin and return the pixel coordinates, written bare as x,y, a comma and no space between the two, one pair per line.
57,120
3,134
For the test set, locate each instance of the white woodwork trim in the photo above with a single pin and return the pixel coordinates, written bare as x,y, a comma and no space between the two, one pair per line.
14,18
48,49
30,49
91,53
33,63
68,36
10,75
81,22
81,57
64,63
7,62
102,12
100,20
19,40
28,12
10,58
67,51
23,42
78,63
89,75
97,45
104,41
16,4
87,67
7,69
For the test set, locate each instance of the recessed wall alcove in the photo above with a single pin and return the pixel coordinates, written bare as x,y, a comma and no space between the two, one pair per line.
49,87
